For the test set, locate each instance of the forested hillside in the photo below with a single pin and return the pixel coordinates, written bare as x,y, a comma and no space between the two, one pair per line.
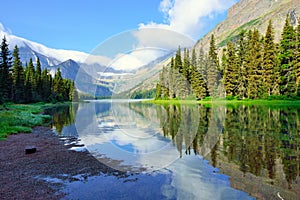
253,66
27,84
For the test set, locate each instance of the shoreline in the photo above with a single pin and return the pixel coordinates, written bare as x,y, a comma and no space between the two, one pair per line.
23,175
32,176
225,102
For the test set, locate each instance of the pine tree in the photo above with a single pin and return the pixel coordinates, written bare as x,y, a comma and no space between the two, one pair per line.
213,52
178,61
254,65
5,72
18,77
186,64
186,72
212,71
286,57
180,86
224,58
241,62
73,93
198,84
29,82
46,85
163,86
230,72
164,83
38,80
202,63
58,86
194,62
269,61
297,58
172,80
158,91
276,74
67,89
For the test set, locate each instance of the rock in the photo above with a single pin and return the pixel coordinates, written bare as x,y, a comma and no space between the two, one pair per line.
30,149
293,17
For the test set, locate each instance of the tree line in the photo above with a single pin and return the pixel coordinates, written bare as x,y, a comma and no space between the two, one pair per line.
30,84
251,67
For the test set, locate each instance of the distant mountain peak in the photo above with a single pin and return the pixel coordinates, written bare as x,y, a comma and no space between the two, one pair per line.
58,55
70,62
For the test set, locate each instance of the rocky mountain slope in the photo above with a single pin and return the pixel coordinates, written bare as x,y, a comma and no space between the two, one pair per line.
244,15
249,14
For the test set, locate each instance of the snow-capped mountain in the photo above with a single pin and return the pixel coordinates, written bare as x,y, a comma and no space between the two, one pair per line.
70,62
68,68
91,73
29,49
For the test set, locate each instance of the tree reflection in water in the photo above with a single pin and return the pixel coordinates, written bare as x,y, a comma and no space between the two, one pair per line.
62,115
256,138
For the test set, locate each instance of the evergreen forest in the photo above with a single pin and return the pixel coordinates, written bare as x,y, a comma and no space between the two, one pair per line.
252,66
29,83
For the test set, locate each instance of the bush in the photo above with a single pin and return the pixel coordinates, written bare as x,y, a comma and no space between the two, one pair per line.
283,97
207,99
229,97
191,97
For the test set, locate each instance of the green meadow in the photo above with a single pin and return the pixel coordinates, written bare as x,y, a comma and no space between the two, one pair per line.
16,118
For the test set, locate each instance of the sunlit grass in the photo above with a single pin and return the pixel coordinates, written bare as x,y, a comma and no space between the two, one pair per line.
16,118
172,101
219,102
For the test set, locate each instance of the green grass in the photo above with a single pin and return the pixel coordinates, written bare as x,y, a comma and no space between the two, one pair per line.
171,101
219,102
16,118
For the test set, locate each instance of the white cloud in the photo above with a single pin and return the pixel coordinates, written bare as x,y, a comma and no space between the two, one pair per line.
165,6
152,43
135,59
184,20
186,16
102,60
126,62
161,37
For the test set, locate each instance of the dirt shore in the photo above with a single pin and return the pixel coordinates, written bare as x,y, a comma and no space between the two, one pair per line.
21,175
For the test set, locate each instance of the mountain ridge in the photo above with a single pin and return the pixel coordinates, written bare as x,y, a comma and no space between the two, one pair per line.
249,14
49,57
70,62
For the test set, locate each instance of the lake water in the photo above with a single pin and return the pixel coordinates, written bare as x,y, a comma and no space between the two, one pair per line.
186,151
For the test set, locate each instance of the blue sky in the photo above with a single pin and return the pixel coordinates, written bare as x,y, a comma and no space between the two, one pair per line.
82,25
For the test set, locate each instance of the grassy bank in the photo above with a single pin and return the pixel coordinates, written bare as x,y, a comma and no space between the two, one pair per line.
228,102
16,118
171,101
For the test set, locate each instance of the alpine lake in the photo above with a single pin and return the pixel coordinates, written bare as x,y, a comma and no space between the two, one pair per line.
185,151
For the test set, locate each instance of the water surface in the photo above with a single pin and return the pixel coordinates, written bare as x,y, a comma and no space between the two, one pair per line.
187,151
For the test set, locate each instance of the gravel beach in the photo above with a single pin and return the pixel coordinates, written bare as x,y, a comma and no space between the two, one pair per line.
22,176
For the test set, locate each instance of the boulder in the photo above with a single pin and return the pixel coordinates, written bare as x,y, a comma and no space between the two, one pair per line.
30,149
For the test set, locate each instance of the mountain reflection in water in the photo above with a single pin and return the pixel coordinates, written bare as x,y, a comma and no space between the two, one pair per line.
257,146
